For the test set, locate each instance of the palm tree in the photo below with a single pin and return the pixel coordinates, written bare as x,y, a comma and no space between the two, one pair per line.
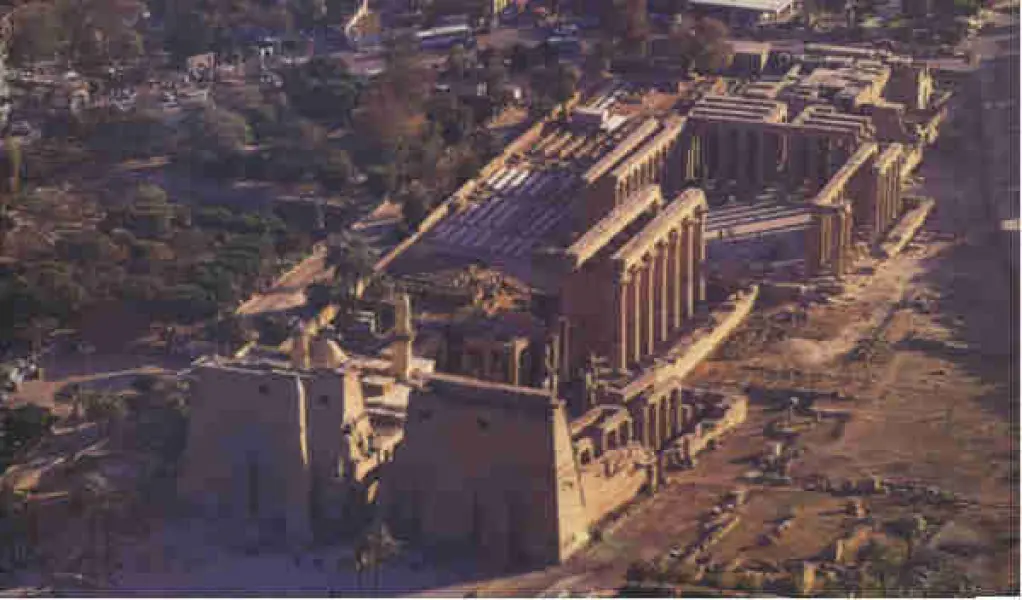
374,548
350,255
352,259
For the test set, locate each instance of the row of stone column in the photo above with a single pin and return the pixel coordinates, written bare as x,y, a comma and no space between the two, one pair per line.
887,199
656,296
663,418
754,156
747,154
829,241
815,158
658,168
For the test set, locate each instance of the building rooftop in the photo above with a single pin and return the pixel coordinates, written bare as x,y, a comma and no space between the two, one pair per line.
523,212
758,5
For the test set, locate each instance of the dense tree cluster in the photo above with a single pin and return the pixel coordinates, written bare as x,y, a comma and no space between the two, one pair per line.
417,143
702,45
172,261
20,427
89,34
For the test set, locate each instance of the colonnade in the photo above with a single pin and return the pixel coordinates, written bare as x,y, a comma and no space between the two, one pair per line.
657,163
664,417
886,192
750,154
829,240
657,294
754,154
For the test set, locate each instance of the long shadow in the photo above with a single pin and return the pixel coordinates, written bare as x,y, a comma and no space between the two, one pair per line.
977,301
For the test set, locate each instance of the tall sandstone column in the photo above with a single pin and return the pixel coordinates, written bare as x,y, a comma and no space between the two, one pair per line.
674,276
839,243
700,253
621,343
635,313
813,241
688,257
663,302
648,305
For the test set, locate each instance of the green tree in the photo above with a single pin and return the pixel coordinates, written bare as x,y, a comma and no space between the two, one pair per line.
309,13
230,332
555,85
319,295
336,170
96,33
36,33
597,59
150,215
323,88
20,427
702,45
352,259
350,256
375,547
415,204
457,63
214,138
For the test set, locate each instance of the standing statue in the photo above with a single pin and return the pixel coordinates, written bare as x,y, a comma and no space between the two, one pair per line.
591,375
550,364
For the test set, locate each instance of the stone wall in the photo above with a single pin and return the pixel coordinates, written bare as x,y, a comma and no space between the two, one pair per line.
247,456
270,445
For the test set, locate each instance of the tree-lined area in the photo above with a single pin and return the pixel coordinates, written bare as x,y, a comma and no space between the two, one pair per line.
178,259
170,261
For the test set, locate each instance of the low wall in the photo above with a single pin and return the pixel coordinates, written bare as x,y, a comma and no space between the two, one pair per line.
906,229
691,444
703,345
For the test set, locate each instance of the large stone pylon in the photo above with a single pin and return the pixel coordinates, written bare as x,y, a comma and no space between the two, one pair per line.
404,336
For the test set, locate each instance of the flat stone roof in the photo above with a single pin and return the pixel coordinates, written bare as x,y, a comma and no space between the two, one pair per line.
594,240
521,215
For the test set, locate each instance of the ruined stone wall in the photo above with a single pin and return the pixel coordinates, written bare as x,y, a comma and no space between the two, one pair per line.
488,468
615,479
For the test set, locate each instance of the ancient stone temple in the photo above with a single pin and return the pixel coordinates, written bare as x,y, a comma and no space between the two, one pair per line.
550,312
